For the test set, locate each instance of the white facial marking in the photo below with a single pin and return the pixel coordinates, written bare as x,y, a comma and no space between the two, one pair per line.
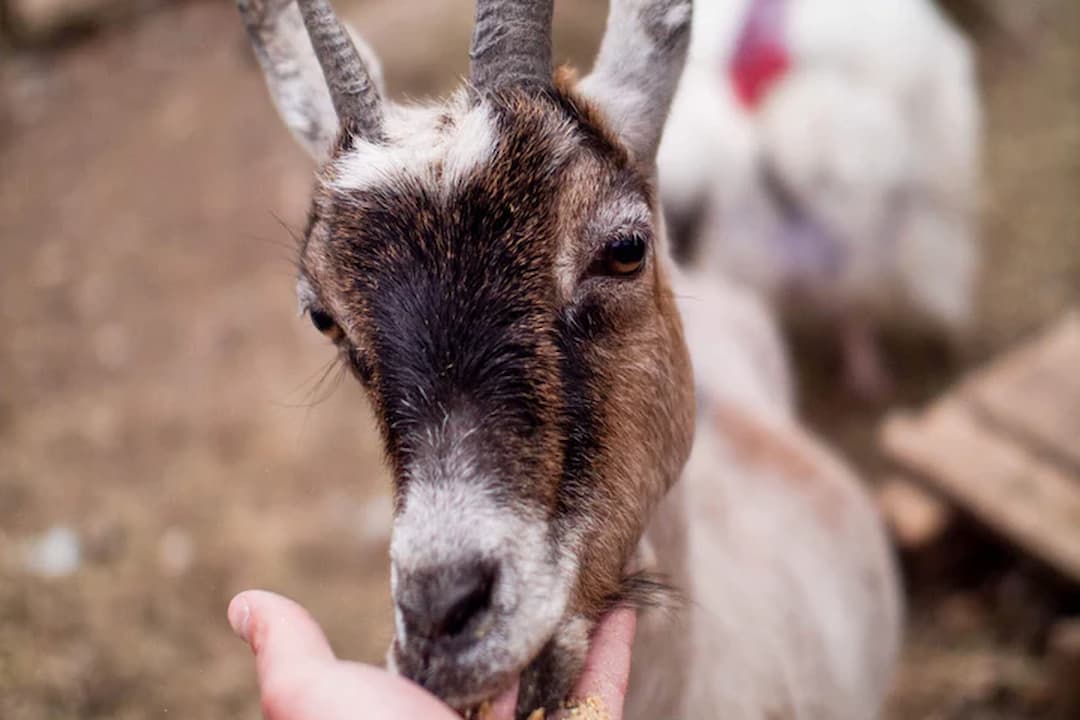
471,147
457,138
368,165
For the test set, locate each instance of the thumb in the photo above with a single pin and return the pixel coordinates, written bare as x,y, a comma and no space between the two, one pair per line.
281,633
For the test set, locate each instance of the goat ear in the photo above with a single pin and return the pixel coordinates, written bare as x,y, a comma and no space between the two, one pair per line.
638,68
293,73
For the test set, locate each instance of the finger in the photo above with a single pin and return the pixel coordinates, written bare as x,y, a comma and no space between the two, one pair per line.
282,634
607,666
502,708
346,691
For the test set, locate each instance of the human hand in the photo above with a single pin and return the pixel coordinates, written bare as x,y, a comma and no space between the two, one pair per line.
300,679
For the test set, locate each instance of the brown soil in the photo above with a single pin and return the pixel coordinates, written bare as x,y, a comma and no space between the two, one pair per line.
159,397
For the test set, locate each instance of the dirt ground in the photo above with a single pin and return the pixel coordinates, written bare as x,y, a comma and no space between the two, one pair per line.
160,400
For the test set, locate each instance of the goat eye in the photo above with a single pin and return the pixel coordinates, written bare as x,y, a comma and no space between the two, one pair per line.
623,256
325,324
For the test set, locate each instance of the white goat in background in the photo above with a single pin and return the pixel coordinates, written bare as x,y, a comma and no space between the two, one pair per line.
826,152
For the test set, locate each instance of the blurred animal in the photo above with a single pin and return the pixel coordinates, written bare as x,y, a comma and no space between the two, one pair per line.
493,270
825,152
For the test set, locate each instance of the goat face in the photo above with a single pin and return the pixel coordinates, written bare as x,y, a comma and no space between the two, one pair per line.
497,291
491,270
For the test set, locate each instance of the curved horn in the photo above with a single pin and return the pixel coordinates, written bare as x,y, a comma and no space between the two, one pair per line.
355,97
511,43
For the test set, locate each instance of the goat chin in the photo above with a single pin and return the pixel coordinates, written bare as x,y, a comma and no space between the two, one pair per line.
483,672
547,680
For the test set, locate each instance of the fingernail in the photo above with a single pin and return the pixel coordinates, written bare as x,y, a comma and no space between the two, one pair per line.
239,614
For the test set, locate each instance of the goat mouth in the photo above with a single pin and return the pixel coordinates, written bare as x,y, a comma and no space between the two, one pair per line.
504,691
463,681
505,698
489,690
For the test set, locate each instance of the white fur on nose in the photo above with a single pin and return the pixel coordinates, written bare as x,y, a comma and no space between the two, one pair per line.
453,514
457,139
451,521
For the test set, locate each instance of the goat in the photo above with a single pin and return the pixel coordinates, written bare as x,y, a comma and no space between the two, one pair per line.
826,152
493,270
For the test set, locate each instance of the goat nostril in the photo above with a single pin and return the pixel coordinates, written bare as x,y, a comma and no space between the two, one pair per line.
442,604
469,606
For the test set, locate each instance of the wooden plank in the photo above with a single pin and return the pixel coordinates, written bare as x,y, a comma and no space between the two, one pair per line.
1034,392
1004,484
